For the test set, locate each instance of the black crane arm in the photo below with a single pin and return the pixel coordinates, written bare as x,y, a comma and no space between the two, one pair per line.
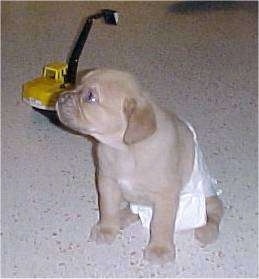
110,17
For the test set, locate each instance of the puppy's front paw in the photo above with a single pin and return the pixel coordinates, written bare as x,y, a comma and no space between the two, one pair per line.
157,254
103,234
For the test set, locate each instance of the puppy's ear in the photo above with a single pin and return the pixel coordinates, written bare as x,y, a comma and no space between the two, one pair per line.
141,121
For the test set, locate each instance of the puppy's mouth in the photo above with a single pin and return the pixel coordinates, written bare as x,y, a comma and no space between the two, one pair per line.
68,110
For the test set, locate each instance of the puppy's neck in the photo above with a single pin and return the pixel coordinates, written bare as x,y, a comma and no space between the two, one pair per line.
114,140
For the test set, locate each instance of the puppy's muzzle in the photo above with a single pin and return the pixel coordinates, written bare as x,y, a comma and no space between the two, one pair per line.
64,98
65,102
66,107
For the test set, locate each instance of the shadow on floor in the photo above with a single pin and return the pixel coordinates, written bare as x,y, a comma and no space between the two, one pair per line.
204,6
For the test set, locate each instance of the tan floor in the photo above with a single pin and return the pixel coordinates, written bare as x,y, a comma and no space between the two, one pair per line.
201,63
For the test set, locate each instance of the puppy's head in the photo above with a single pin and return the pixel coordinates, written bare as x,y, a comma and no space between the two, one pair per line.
109,106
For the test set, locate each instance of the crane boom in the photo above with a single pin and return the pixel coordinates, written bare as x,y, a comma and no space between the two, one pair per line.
110,17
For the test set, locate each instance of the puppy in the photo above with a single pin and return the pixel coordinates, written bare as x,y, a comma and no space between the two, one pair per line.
145,156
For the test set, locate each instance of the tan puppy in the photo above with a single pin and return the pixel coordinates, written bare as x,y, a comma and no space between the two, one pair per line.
145,156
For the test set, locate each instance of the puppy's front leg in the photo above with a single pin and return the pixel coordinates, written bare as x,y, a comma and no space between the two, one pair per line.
161,247
108,225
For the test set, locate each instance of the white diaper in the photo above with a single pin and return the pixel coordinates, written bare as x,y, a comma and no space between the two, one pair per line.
192,207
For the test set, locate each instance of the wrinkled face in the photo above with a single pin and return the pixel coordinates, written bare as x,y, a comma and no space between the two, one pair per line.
107,105
95,107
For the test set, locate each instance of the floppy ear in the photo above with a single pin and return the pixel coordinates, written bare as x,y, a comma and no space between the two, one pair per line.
141,121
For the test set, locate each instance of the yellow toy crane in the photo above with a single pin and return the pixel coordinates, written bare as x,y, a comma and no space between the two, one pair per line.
57,77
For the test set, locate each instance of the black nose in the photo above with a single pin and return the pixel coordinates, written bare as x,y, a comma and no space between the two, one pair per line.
63,98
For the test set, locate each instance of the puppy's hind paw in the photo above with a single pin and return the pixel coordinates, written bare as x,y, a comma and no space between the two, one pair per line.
103,234
156,254
127,218
207,234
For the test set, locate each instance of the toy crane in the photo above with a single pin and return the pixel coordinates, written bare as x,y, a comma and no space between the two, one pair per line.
57,77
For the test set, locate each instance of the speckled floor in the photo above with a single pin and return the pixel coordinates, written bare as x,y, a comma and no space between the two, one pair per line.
200,62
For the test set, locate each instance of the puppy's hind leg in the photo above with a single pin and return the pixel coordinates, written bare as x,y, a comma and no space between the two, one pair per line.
127,217
209,233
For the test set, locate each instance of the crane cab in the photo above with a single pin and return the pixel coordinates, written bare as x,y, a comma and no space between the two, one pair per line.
42,92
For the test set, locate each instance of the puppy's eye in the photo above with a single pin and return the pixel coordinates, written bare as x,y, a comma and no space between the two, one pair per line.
90,96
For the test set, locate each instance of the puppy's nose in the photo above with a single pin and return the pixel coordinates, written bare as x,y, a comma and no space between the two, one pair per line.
64,98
